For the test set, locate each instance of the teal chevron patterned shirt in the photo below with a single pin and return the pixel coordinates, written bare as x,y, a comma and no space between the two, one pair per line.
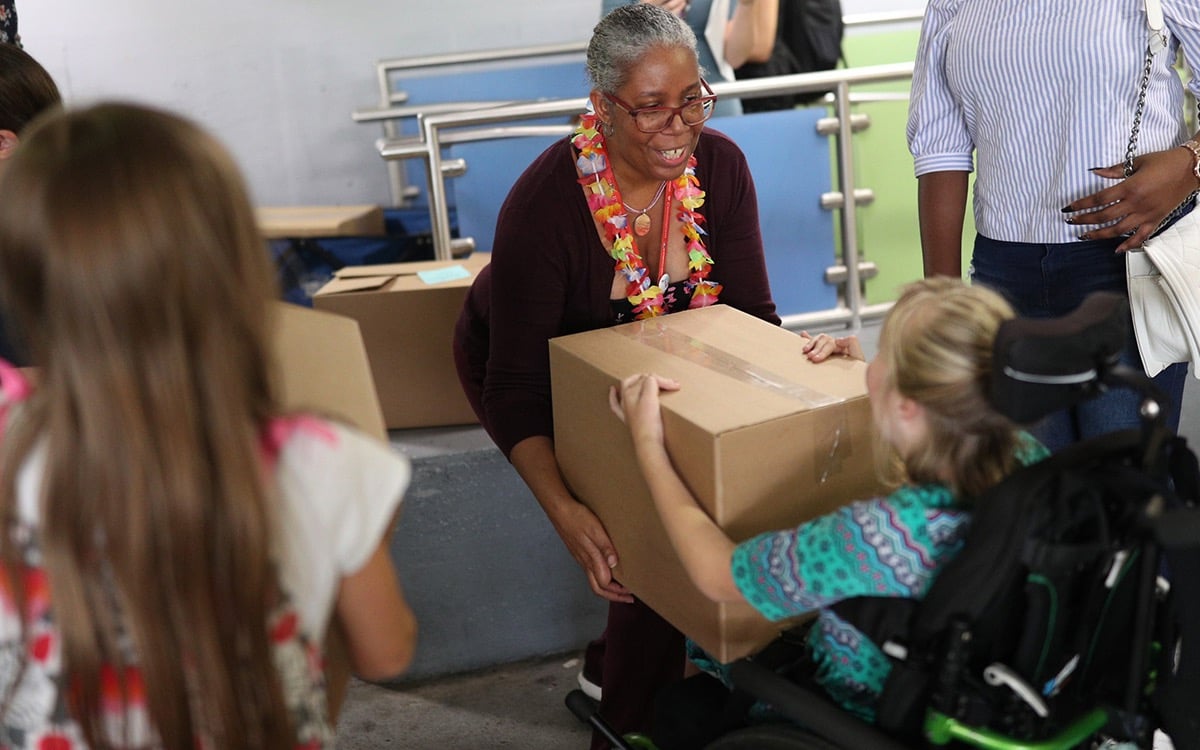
889,546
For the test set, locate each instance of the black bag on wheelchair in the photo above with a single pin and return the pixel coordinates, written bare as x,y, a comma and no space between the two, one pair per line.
1072,614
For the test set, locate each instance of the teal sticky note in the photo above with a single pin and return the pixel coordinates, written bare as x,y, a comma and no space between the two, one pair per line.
442,275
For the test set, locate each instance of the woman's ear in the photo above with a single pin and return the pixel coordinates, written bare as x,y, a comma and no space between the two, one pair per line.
8,144
601,106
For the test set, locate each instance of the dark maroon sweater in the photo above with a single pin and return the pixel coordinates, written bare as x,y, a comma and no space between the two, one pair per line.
550,275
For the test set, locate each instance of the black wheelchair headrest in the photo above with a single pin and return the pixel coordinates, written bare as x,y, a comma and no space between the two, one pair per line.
1042,365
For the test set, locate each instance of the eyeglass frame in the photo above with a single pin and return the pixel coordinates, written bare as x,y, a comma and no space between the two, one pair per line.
674,111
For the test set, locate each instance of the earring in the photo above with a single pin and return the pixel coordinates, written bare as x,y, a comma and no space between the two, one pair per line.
607,128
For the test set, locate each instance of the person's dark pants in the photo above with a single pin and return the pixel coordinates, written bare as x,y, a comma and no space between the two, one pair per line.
642,653
696,711
1051,280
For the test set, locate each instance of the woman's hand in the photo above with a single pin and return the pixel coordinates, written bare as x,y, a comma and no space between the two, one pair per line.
823,346
580,530
1136,205
588,542
635,402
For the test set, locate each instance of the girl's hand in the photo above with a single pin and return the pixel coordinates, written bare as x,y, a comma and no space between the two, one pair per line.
635,402
823,346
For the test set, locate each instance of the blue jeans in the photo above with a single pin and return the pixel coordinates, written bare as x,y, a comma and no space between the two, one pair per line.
1044,281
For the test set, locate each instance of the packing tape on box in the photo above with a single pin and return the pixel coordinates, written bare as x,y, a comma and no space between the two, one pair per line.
709,357
827,453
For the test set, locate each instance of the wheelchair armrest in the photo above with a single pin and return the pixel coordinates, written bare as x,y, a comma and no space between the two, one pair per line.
815,712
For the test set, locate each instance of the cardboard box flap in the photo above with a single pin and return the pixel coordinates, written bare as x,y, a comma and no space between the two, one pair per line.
323,367
747,368
345,284
473,262
405,277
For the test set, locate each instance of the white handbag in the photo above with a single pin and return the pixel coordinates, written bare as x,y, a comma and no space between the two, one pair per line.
1165,307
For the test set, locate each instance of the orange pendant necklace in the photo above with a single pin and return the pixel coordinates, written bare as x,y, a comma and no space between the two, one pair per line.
641,225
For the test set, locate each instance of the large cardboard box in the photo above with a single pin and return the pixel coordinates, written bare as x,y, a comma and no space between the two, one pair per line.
764,438
323,368
406,312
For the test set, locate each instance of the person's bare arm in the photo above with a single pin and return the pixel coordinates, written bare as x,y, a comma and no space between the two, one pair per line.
703,547
579,528
379,627
941,209
750,34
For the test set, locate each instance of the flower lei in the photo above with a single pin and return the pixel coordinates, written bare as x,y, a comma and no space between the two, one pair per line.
604,199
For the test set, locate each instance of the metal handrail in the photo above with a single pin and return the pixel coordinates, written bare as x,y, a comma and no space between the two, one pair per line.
413,110
384,67
435,130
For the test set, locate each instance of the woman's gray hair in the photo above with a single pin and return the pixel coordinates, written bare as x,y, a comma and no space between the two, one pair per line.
623,36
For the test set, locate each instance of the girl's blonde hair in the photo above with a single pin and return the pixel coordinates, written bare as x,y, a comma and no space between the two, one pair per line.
132,269
936,346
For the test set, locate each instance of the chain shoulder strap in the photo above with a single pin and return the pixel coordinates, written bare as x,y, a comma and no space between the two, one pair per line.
1156,41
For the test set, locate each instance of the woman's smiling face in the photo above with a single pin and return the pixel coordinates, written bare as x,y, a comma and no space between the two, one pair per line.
662,77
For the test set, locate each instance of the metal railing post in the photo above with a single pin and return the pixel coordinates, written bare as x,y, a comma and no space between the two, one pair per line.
849,212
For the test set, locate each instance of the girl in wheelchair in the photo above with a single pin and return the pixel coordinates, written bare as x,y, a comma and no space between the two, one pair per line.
939,442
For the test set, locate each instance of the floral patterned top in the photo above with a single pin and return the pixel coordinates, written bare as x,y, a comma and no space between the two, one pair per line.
887,546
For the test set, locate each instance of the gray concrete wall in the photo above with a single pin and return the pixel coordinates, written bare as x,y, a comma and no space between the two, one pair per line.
484,570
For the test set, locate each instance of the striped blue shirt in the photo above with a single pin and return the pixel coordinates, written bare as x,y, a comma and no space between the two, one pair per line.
1039,92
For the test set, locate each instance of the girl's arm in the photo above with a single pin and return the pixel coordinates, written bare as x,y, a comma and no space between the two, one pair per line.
702,546
379,627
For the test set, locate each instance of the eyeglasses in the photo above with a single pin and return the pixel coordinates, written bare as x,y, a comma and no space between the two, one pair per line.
658,119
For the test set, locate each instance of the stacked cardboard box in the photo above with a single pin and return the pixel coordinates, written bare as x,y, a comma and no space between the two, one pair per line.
406,312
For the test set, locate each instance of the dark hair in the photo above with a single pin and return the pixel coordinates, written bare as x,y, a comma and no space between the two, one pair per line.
26,89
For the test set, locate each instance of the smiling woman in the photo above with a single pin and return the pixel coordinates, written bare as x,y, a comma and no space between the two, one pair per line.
605,227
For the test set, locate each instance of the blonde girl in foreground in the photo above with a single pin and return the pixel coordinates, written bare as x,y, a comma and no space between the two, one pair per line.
175,545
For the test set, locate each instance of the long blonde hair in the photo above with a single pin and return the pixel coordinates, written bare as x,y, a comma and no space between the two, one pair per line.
936,347
132,270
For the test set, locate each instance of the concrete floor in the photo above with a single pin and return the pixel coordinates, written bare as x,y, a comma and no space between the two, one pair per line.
518,705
